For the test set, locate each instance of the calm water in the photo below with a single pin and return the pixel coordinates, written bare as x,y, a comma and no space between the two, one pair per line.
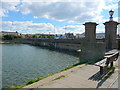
21,63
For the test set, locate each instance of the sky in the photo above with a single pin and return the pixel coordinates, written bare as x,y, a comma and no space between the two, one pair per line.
55,16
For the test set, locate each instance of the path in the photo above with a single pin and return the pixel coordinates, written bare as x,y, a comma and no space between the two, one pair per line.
82,76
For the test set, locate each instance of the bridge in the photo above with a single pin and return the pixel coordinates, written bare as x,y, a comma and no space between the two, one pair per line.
91,48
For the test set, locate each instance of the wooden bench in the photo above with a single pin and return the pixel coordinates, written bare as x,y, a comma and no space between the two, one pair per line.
108,60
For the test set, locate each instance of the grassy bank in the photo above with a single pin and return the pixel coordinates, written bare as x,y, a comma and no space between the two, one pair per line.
31,81
40,78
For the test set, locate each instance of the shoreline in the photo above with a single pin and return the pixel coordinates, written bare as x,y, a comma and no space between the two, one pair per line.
49,77
41,78
58,49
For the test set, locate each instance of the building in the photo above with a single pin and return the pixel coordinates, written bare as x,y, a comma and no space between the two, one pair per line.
100,35
2,33
60,36
69,35
80,35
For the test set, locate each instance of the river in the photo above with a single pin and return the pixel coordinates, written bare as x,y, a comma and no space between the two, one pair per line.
22,62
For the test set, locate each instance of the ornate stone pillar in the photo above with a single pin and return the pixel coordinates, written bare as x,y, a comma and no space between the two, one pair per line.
111,35
90,32
91,51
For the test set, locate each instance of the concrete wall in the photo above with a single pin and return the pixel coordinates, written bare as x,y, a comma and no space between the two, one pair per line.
89,51
67,44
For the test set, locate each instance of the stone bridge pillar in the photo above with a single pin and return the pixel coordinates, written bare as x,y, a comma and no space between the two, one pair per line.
91,51
90,32
111,35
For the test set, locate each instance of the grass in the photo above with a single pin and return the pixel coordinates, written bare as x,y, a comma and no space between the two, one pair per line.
18,86
73,66
31,81
40,78
59,77
67,68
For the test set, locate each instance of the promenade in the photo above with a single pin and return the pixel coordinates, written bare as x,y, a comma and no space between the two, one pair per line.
82,76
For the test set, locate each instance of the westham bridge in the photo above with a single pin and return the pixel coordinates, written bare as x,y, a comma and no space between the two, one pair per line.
88,47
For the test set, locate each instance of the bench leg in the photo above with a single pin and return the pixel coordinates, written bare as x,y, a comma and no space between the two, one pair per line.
111,64
101,70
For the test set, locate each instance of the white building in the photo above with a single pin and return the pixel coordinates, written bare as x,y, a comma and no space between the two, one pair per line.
80,35
2,33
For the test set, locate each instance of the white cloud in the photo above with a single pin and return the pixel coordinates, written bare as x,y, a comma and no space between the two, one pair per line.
64,11
70,29
27,27
59,10
30,27
6,5
113,6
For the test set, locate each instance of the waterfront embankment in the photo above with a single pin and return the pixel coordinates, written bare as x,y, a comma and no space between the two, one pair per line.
4,42
70,45
65,44
17,59
81,76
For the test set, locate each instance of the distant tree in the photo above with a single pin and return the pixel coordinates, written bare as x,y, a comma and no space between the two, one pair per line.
9,37
48,36
52,37
40,36
45,36
20,36
0,37
34,36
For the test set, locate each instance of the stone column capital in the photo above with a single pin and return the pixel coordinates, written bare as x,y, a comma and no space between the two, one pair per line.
112,22
87,23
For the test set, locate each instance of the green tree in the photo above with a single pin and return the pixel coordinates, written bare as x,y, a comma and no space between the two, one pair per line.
40,36
50,36
34,36
45,36
1,37
20,36
9,37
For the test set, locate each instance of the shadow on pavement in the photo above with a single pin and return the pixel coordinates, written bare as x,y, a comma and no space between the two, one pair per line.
102,78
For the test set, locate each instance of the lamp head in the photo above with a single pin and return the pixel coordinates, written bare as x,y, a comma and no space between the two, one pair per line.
111,13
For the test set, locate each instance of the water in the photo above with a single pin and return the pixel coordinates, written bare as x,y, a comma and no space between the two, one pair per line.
21,62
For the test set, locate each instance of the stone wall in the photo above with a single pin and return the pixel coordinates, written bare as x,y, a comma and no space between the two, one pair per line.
92,52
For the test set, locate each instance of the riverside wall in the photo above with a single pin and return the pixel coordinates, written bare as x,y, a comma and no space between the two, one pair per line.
63,44
66,44
86,51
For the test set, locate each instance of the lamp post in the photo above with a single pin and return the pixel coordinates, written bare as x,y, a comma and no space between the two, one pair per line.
110,33
111,14
54,32
65,28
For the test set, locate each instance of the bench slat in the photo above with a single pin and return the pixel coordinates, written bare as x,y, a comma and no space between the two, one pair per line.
101,63
107,60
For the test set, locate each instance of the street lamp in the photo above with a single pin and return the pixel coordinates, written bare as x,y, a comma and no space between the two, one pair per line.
65,28
54,31
111,14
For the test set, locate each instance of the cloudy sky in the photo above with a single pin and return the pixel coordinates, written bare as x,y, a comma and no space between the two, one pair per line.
55,16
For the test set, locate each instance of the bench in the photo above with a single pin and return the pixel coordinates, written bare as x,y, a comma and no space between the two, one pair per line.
108,60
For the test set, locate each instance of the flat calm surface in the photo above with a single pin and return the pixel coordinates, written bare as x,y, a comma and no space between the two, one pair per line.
21,62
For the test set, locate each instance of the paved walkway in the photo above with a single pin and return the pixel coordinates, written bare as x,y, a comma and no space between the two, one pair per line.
82,76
